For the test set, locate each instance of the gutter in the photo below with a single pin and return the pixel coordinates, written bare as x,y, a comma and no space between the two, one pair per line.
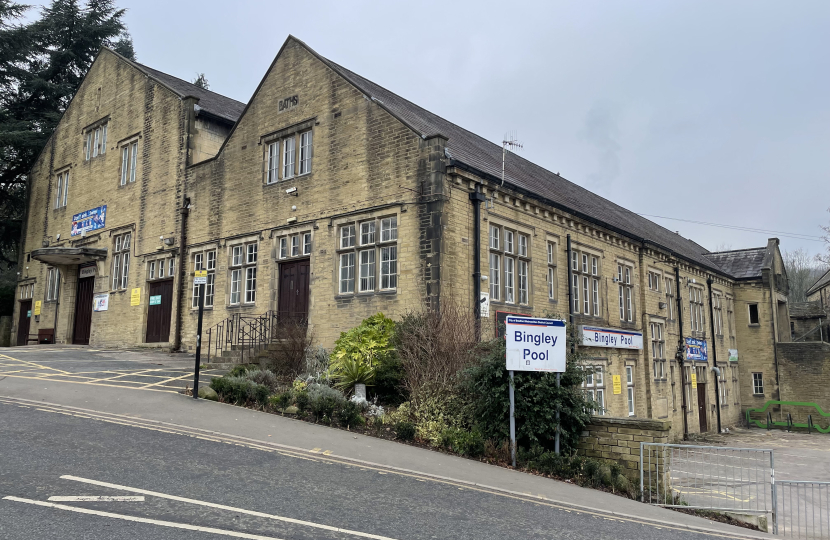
680,355
714,350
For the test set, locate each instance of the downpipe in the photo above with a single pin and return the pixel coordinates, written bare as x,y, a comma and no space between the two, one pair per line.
714,351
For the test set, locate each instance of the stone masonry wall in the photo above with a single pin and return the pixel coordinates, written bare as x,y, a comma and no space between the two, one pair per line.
805,370
618,440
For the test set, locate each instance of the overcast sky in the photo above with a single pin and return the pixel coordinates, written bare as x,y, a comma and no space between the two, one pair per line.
709,111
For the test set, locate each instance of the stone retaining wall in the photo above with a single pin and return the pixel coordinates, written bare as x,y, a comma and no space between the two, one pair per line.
618,439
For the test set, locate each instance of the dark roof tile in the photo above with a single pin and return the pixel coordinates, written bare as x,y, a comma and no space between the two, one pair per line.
807,310
820,283
740,263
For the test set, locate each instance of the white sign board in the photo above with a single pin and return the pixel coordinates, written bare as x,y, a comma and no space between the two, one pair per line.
200,281
87,271
485,305
593,336
101,302
535,344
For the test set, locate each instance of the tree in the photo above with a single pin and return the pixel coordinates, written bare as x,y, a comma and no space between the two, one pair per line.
825,257
201,81
802,272
42,65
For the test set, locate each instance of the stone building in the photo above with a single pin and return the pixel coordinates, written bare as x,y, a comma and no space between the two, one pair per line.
327,198
820,291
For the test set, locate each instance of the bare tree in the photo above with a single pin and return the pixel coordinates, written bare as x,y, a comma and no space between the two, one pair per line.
802,271
723,246
825,257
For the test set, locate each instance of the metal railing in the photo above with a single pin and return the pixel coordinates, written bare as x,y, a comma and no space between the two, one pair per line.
801,408
803,509
248,334
708,478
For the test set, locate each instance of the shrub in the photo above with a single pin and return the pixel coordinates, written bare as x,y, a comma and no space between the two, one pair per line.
388,384
324,400
302,400
288,357
405,431
358,351
240,390
465,443
349,414
486,384
265,377
282,400
259,393
239,370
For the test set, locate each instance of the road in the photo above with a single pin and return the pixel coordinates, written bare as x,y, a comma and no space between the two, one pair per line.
241,491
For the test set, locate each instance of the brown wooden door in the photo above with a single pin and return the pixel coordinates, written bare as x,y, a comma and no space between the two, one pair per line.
159,311
294,291
83,311
23,322
701,406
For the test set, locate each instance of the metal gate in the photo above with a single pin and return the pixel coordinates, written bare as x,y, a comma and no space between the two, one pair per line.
803,509
708,478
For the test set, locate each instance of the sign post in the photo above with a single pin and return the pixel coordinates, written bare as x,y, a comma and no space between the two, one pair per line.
532,345
200,279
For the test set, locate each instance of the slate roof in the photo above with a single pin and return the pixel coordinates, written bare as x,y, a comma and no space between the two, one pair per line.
740,263
820,283
806,310
211,102
482,155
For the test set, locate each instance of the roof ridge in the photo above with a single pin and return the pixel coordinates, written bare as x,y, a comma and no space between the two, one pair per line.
736,250
145,66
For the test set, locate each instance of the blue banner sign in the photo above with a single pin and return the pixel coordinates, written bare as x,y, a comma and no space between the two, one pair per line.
696,350
89,220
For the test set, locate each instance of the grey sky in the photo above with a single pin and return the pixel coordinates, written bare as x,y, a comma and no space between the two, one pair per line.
710,111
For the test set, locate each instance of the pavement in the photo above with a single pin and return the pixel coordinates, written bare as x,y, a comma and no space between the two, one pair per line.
240,472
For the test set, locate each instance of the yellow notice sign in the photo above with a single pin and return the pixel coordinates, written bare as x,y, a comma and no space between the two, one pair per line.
694,380
617,384
135,297
200,273
37,307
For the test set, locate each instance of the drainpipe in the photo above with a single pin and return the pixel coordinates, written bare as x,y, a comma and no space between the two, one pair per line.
476,198
184,211
714,350
681,355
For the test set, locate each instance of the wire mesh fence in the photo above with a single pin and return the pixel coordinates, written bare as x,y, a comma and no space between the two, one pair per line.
708,477
803,509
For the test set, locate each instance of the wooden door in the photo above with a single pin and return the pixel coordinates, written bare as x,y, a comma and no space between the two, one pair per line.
23,322
701,406
294,291
83,311
159,311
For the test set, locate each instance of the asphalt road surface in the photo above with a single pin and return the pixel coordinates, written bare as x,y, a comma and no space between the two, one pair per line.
69,474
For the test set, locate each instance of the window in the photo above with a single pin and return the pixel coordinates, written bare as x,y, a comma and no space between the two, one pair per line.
696,316
27,291
594,386
758,384
512,257
688,389
730,319
305,152
724,390
129,160
243,270
625,293
585,282
658,350
629,379
673,393
96,142
205,261
151,270
670,301
62,190
377,256
121,261
273,163
53,284
552,282
307,243
288,158
295,245
346,273
717,314
735,395
753,314
653,281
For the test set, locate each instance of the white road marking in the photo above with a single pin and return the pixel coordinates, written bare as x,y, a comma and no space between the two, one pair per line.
223,507
97,498
135,519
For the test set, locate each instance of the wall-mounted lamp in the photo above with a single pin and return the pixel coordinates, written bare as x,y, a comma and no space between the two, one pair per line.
169,241
292,191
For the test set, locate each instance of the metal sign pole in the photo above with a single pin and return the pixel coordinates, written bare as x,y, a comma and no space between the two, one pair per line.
512,420
199,342
556,440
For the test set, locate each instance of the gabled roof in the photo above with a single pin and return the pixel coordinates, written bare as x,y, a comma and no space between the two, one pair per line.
820,283
215,104
806,310
740,263
477,153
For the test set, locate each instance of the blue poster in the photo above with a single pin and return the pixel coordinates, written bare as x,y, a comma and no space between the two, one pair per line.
89,221
696,350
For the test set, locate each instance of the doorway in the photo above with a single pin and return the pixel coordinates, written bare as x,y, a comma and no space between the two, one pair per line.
83,311
23,322
294,291
159,311
701,406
